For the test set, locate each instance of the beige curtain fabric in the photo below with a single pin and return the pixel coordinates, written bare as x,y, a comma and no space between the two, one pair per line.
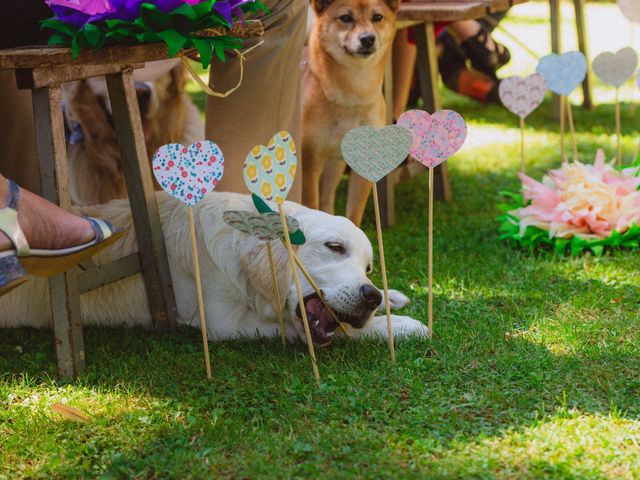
268,99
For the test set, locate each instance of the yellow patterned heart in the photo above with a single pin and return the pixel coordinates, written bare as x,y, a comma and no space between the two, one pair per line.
269,171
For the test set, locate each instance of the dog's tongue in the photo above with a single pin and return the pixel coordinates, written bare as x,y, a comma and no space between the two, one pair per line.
321,314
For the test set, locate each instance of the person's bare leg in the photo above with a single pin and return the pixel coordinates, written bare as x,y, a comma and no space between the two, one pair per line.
45,225
404,61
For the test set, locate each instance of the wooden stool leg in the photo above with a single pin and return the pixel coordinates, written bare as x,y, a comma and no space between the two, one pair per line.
581,28
427,65
144,209
63,289
556,39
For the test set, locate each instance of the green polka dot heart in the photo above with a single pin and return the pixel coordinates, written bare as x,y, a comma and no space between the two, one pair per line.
190,173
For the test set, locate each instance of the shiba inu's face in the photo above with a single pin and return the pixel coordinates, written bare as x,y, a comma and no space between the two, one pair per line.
356,29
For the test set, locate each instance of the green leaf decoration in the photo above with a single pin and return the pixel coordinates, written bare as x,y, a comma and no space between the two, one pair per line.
176,29
536,238
95,37
297,238
205,50
173,40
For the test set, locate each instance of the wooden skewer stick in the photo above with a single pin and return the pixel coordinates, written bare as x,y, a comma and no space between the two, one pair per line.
196,266
572,130
618,130
321,297
296,281
283,332
563,100
521,145
430,257
383,270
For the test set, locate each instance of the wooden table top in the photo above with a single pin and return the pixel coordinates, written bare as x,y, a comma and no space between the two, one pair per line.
42,56
419,11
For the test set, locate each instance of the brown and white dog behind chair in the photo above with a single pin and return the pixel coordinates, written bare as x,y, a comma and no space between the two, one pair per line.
168,116
342,78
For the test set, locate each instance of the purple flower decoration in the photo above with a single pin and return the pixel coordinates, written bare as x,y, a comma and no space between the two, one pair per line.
81,12
89,7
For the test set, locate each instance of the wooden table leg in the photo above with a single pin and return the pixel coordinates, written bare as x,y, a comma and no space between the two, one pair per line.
144,209
556,40
427,65
579,6
63,289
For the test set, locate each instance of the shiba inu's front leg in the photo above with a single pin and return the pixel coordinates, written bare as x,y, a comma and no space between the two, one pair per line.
329,184
359,189
311,172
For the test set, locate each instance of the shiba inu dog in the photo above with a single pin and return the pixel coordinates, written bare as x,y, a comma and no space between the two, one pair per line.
342,77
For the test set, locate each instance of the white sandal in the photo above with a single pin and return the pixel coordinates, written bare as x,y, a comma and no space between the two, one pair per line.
17,263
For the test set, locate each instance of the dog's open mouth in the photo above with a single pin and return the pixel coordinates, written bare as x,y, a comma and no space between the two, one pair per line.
321,322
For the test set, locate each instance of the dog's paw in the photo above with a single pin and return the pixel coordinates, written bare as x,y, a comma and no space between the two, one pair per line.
404,326
401,325
396,300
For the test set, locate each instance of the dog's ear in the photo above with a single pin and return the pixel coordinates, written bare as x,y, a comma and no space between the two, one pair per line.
320,5
393,4
256,266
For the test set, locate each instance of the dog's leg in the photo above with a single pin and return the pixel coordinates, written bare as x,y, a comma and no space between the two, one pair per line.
402,326
311,172
329,184
396,300
359,189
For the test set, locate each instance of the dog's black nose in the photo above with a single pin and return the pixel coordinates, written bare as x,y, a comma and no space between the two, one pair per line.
367,41
370,295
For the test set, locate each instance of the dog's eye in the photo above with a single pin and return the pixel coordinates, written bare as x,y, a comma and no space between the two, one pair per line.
376,17
369,269
346,18
336,247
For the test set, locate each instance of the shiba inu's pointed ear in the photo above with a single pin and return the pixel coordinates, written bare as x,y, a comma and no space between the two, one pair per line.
393,4
320,5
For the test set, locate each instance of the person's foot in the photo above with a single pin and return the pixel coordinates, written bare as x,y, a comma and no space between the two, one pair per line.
45,225
486,55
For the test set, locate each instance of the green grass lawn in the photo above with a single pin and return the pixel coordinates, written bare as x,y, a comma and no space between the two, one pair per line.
533,371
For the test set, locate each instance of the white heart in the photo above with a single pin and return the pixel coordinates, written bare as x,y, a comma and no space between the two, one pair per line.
630,9
616,68
522,95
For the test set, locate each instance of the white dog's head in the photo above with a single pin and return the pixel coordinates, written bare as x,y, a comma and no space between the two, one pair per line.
338,256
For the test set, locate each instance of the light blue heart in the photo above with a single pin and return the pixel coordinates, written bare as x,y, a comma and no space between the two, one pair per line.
563,73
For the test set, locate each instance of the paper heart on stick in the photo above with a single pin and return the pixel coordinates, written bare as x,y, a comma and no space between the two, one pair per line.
563,73
190,173
630,9
266,227
373,153
269,171
522,95
435,137
615,68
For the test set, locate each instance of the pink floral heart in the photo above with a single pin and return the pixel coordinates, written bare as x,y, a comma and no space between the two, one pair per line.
522,95
435,137
189,173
